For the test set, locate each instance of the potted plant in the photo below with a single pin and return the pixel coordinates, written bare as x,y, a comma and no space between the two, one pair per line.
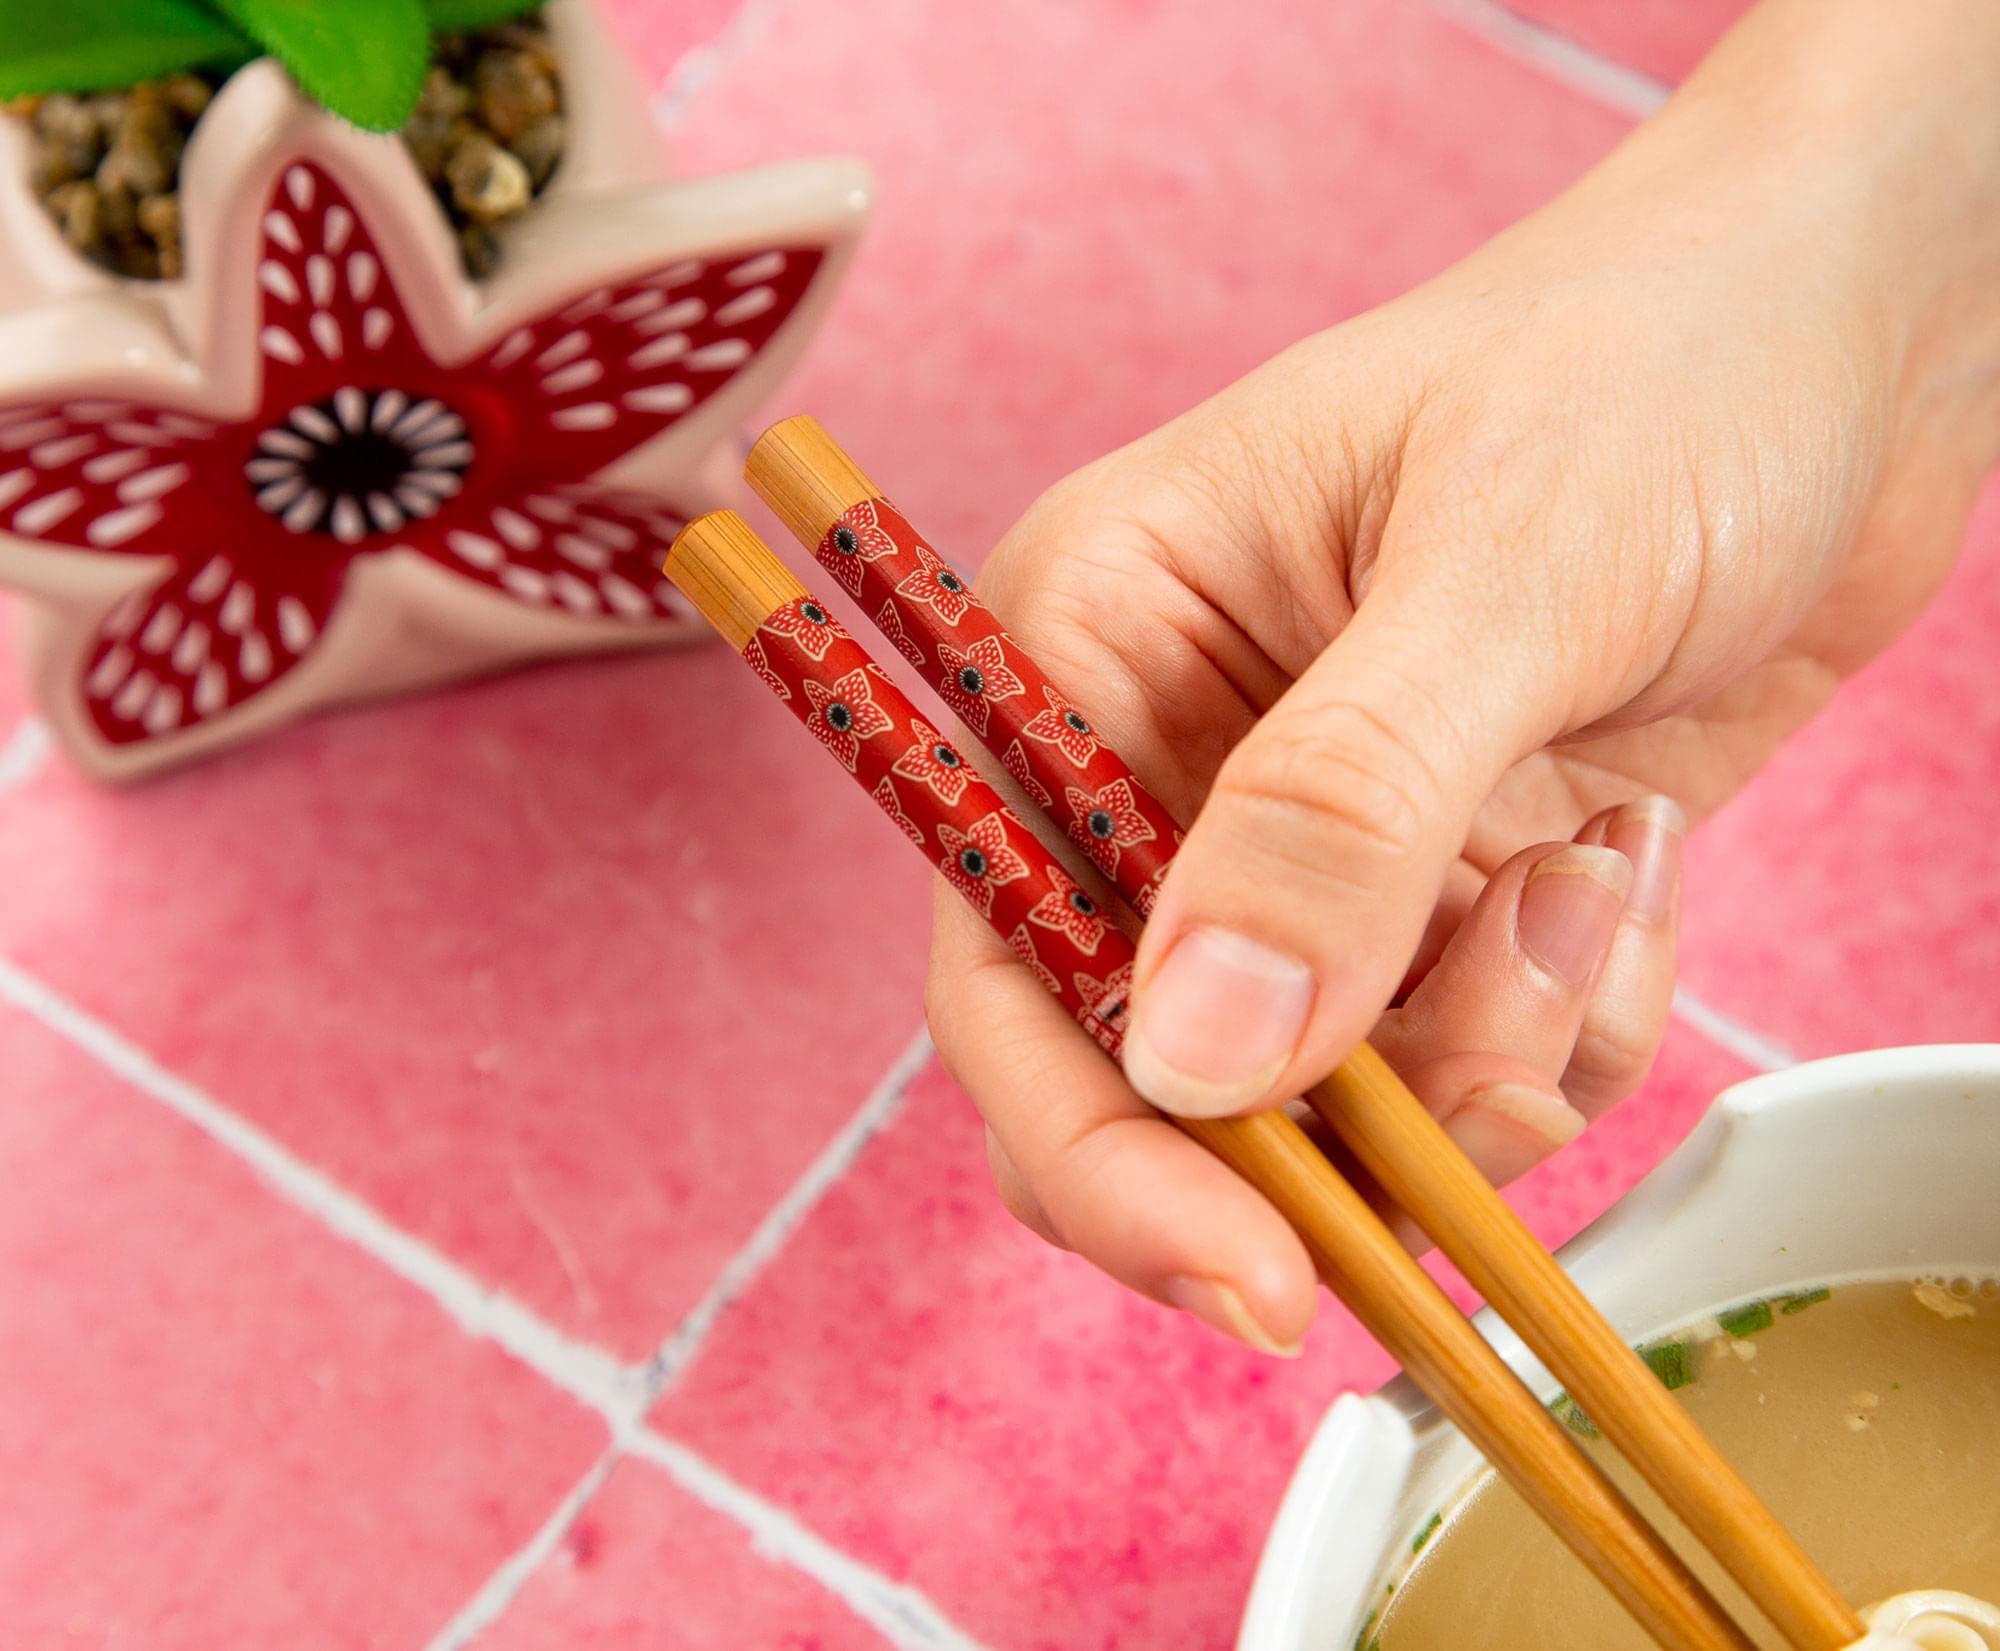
351,428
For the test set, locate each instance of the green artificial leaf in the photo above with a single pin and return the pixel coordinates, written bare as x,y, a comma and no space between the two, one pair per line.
90,45
363,59
449,15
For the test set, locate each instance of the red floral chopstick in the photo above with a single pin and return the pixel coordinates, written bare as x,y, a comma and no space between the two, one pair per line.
920,780
945,631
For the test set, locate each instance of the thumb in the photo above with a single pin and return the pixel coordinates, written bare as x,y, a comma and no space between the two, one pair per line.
1308,877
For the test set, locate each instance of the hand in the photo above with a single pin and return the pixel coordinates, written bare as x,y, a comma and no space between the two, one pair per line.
1594,520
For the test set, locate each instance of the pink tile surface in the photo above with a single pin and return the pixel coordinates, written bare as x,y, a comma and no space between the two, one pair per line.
647,1565
554,972
550,970
1665,38
1092,216
219,1425
1850,897
659,35
13,697
1057,1464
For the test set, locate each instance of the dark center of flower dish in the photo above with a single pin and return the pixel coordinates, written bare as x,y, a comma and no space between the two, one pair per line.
813,612
839,718
972,679
358,463
1101,825
846,540
1081,902
972,862
951,581
1075,723
946,756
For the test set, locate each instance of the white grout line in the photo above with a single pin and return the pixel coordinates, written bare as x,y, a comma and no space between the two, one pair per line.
834,1160
1559,57
904,1616
22,756
1766,1054
586,1372
696,67
485,1607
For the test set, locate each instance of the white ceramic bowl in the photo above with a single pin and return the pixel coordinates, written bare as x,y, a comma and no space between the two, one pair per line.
1879,1165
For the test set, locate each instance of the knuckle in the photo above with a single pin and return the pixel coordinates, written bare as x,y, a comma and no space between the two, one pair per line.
1614,1054
1339,773
940,995
951,983
1016,1197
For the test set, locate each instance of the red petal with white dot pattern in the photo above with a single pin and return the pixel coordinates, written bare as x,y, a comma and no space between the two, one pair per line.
619,364
197,644
330,311
365,444
588,552
105,475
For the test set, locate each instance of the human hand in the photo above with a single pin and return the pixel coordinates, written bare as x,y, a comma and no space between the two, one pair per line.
1592,521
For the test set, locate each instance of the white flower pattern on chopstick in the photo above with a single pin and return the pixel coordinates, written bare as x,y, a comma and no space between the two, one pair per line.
975,678
980,859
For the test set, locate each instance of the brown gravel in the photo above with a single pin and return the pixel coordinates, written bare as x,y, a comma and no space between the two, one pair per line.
487,135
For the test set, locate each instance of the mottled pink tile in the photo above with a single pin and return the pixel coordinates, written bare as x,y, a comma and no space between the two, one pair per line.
658,34
647,1565
219,1424
1850,897
1091,217
1057,1464
13,690
558,971
1665,38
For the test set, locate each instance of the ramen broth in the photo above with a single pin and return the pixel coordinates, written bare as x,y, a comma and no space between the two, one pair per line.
1868,1417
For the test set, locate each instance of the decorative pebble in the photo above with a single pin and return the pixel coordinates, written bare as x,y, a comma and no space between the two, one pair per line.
487,182
514,90
538,147
487,135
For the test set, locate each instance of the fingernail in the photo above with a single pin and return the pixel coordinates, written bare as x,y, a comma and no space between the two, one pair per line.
1509,1129
1649,834
1221,1308
1216,1024
1569,907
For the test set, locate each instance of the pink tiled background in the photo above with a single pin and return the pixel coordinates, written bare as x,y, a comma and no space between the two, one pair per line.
399,1249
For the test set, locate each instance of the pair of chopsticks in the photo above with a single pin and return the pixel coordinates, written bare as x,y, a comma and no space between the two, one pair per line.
965,828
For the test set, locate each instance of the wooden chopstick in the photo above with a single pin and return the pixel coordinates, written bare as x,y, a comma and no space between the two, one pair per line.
870,727
832,507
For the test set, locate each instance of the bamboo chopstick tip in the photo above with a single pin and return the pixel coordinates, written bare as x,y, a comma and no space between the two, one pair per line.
791,431
801,472
702,535
721,565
